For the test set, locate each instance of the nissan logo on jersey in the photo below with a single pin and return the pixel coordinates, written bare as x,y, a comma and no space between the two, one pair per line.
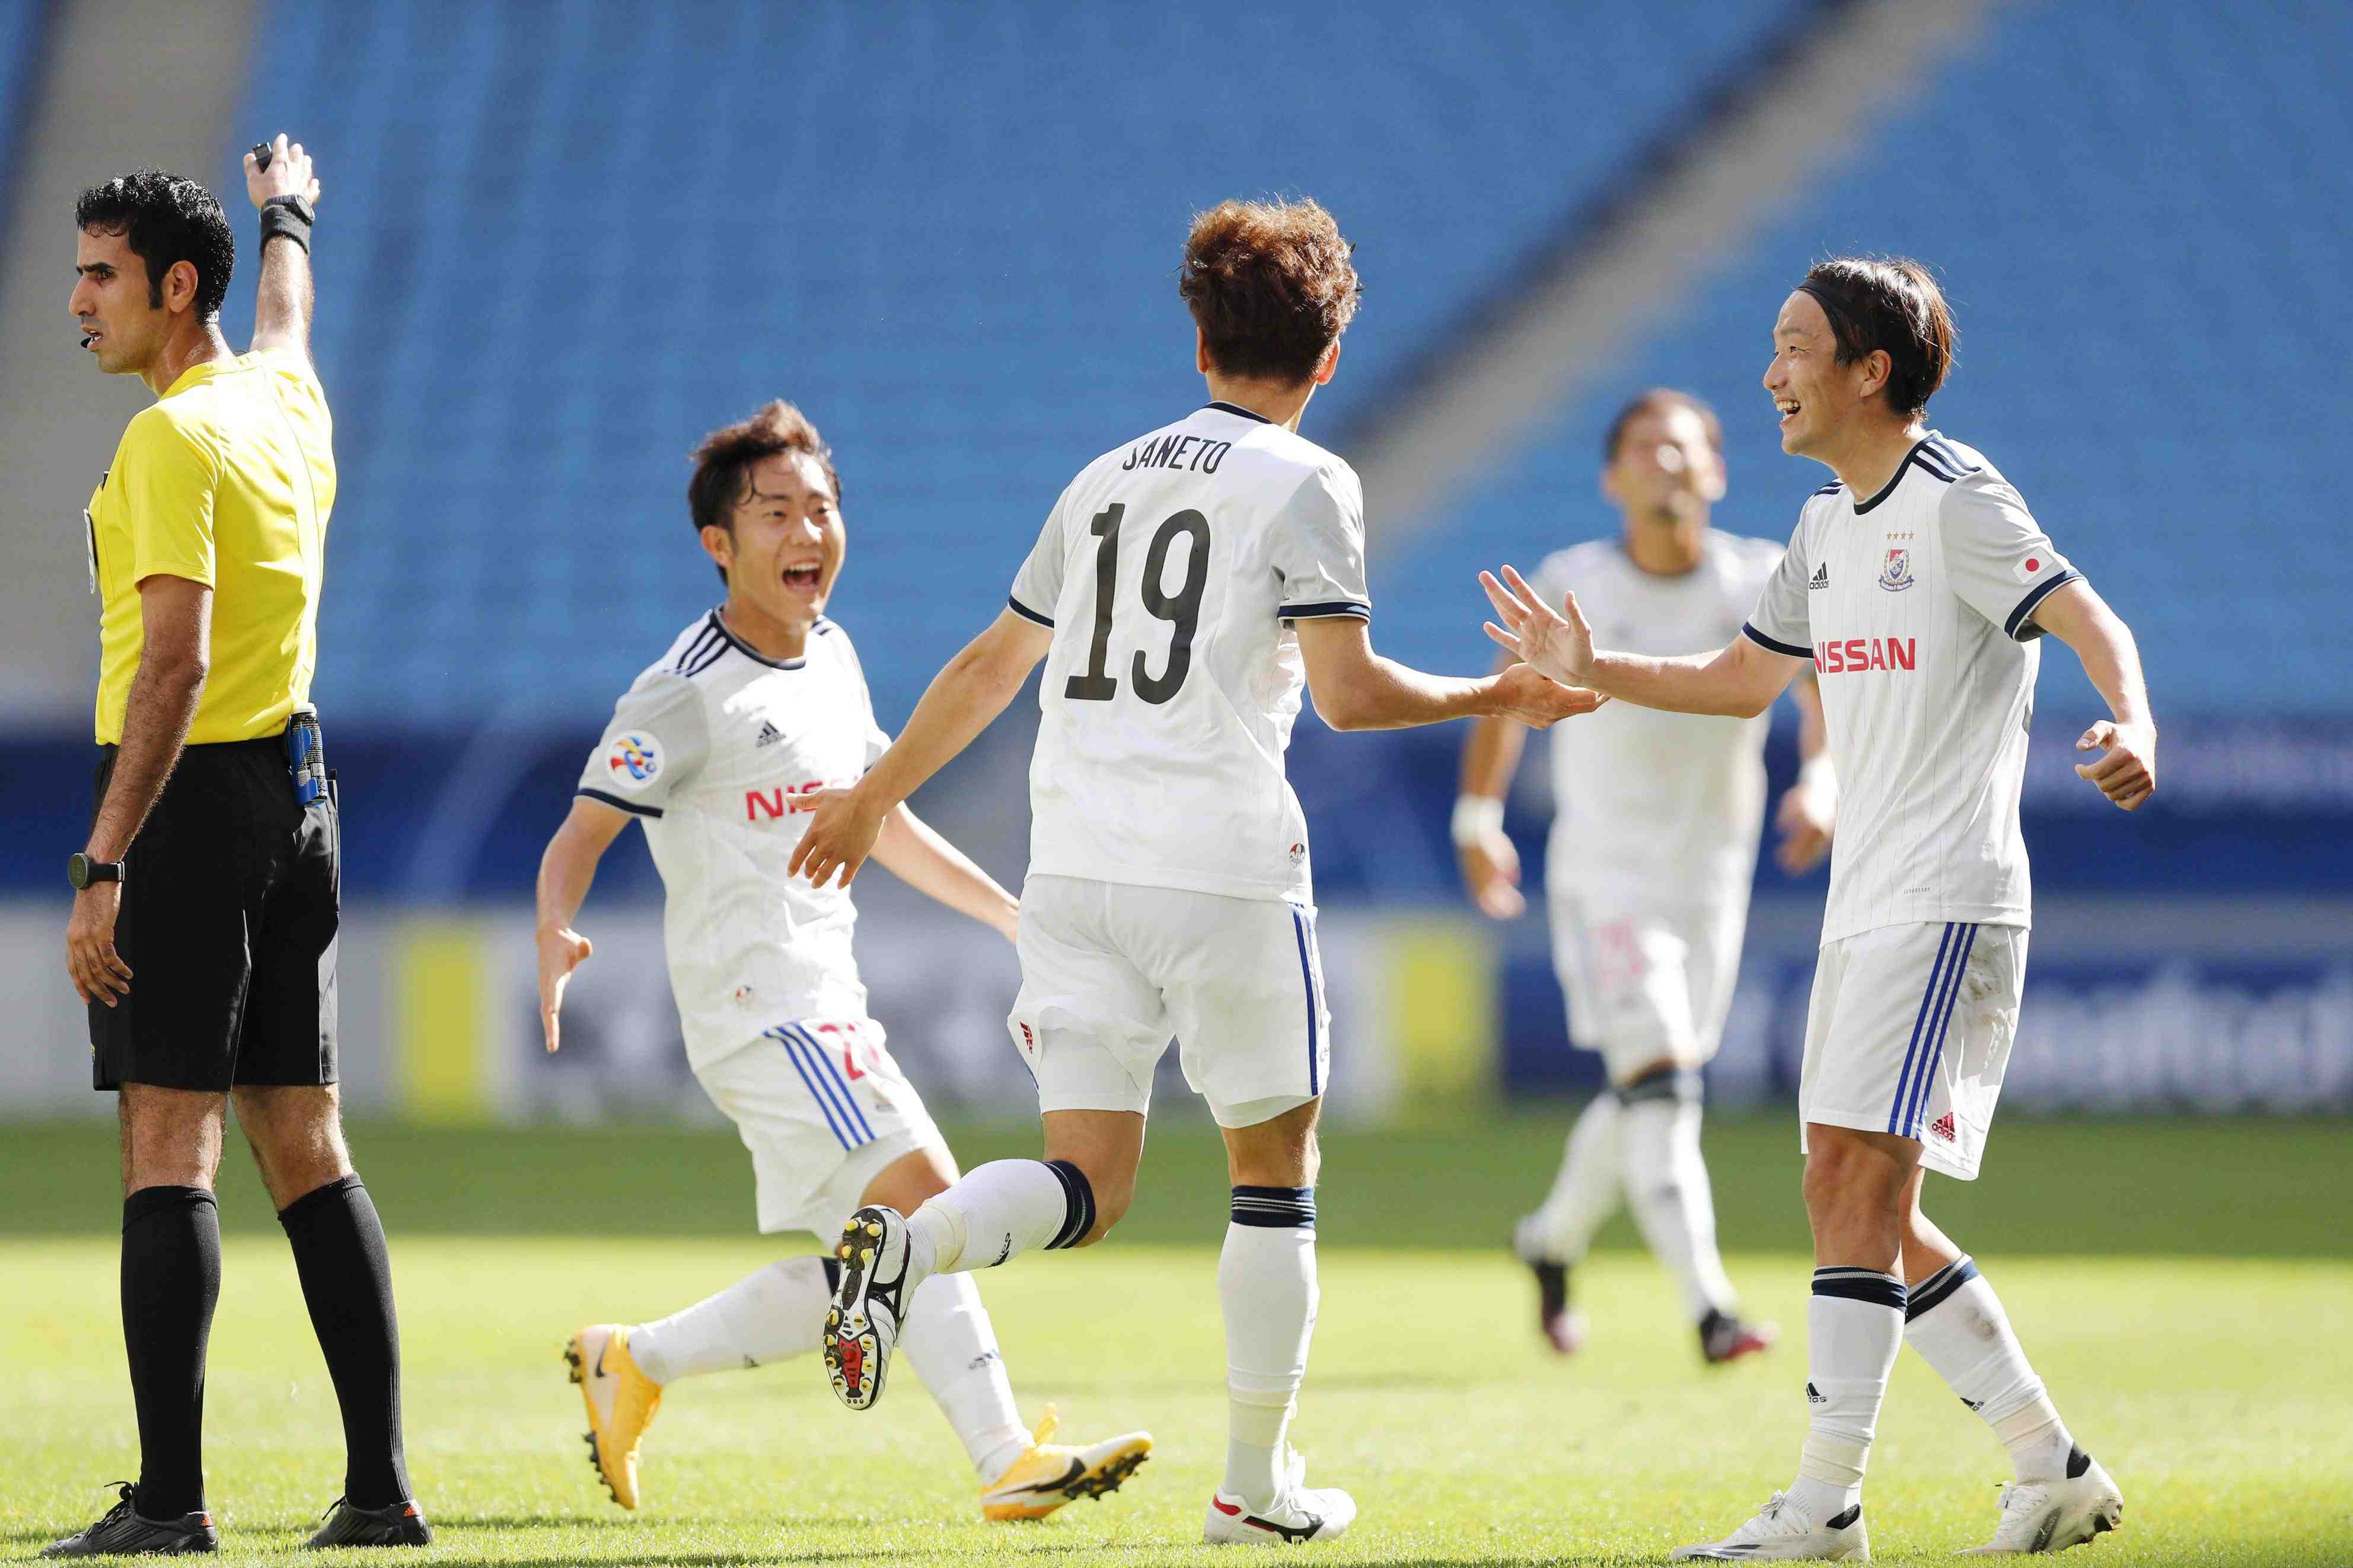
787,799
1863,654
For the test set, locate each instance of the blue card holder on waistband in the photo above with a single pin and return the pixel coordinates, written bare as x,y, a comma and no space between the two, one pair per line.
306,758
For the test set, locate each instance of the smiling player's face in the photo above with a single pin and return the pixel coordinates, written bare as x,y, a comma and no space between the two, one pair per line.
1812,393
785,547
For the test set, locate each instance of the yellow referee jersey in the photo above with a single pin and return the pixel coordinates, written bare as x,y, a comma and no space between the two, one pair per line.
227,480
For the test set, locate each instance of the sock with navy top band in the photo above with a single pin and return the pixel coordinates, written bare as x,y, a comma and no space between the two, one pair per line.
1957,1323
999,1211
1855,1327
1267,1286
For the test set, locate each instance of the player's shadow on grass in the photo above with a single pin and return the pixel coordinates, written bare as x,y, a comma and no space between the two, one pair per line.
1317,1381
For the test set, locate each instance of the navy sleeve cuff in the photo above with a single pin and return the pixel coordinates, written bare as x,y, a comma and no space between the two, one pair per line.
2021,627
1027,613
1761,640
618,804
1355,607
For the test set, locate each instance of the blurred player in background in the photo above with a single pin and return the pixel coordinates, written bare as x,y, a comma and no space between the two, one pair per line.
1655,835
715,750
1917,583
1183,589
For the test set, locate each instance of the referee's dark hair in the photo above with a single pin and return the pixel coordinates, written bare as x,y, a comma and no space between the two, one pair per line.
1889,304
165,219
724,461
1658,397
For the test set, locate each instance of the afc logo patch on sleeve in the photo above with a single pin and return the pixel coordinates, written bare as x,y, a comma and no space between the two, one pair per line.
633,761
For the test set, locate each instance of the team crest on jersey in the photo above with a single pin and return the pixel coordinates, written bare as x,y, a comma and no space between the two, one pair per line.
633,761
1896,573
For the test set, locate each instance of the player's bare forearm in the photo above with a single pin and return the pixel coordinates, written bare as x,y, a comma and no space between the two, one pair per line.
1491,757
2078,616
918,856
1356,689
1740,681
963,700
567,869
286,298
177,619
2126,771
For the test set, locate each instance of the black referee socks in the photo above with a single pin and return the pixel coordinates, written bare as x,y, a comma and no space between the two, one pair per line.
346,1277
171,1280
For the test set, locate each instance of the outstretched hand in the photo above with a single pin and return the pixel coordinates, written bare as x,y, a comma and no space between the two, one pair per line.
1556,642
561,951
1525,695
843,827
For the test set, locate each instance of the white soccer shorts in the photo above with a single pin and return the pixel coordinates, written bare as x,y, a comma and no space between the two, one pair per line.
824,1109
1909,1033
1646,984
1110,971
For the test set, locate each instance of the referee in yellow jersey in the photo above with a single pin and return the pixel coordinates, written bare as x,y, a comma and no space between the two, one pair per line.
204,915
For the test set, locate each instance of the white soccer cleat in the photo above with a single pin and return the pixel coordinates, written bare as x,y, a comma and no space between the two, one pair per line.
1298,1514
2052,1516
862,1327
1781,1532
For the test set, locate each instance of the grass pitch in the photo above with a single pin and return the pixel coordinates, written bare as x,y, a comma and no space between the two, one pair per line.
2180,1287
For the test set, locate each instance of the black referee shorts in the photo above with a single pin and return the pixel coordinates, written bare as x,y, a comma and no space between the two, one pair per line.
231,909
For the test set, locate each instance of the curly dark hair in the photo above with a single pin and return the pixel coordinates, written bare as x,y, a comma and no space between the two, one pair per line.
166,219
724,461
1270,284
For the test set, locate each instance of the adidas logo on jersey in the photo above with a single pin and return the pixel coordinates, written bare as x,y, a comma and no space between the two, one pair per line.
1943,1128
769,734
1821,576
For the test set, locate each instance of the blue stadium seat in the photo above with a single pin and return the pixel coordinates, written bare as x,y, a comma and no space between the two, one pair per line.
558,243
22,23
2138,213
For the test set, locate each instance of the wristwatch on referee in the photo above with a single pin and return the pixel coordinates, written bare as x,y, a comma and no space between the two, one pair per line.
81,870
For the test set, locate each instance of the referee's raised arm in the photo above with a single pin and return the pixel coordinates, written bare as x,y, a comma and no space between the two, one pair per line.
287,193
205,916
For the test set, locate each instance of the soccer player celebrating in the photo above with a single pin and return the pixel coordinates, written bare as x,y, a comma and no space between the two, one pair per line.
1916,582
1653,840
715,750
1183,589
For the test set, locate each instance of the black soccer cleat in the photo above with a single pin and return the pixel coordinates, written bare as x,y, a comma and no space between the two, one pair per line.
124,1532
1723,1338
394,1525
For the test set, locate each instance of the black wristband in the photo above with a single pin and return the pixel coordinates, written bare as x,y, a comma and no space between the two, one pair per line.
286,217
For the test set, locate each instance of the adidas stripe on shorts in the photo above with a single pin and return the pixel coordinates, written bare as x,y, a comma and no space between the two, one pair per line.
1909,1032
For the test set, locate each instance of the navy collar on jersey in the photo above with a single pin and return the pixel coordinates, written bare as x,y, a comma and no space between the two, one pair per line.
718,623
1924,454
1224,407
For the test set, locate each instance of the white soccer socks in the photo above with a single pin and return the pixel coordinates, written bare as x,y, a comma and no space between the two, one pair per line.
1585,1192
762,1317
998,1211
1855,1327
952,1346
1266,1282
1956,1323
1668,1189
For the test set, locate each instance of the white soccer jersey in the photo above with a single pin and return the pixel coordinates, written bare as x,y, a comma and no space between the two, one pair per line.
1916,606
711,750
1170,571
1652,807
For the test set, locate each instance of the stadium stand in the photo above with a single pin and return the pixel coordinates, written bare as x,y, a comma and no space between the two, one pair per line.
2152,337
520,355
21,27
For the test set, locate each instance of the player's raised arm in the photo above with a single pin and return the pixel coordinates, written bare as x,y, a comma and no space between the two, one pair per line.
1356,689
963,700
1741,680
2078,616
286,192
567,871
